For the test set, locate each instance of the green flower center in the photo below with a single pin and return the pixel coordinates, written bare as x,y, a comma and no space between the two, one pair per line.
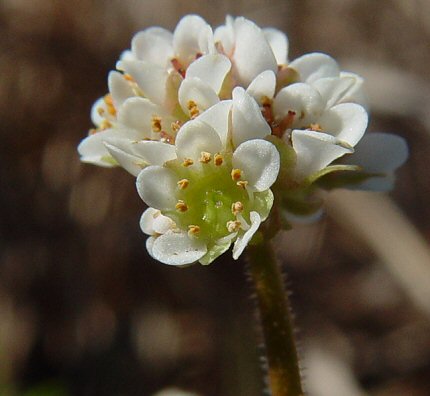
212,198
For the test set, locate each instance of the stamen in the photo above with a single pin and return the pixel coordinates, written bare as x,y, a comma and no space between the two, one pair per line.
193,109
193,230
233,225
314,127
176,125
109,104
187,162
92,131
178,67
100,111
237,208
181,206
242,184
105,125
156,123
165,137
205,157
128,77
287,122
236,174
218,159
182,184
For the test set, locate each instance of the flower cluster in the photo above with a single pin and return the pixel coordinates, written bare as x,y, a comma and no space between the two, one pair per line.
215,124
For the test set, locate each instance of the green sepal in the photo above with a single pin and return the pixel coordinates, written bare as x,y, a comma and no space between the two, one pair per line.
287,155
109,160
330,169
263,202
214,252
344,179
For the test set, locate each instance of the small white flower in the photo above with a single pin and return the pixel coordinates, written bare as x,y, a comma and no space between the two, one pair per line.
319,133
251,49
213,196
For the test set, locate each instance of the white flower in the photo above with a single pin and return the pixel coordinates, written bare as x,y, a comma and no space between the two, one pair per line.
251,49
143,99
206,121
319,133
213,196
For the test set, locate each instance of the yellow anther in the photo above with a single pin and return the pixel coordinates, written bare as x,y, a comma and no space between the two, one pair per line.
109,104
205,157
181,206
187,162
100,111
218,159
176,126
156,123
193,109
236,174
193,230
128,77
233,226
315,127
242,184
105,125
92,131
182,184
237,208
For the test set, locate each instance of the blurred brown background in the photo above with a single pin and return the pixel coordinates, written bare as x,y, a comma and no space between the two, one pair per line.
85,311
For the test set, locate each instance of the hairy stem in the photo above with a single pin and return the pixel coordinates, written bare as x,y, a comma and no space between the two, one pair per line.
274,310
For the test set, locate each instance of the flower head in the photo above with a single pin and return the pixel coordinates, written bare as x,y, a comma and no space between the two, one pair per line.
211,122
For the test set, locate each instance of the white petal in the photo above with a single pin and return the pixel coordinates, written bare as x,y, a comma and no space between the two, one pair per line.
96,118
224,34
189,37
151,78
177,248
242,241
248,122
263,86
157,187
211,69
217,117
333,89
154,152
195,137
162,224
380,153
149,244
197,91
252,53
303,99
137,113
313,66
315,150
346,121
134,155
153,45
129,162
147,220
259,160
119,88
92,148
278,41
356,93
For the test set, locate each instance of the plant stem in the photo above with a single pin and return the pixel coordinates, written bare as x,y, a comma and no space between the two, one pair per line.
274,310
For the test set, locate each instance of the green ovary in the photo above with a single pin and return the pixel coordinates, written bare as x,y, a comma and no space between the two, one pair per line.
209,197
